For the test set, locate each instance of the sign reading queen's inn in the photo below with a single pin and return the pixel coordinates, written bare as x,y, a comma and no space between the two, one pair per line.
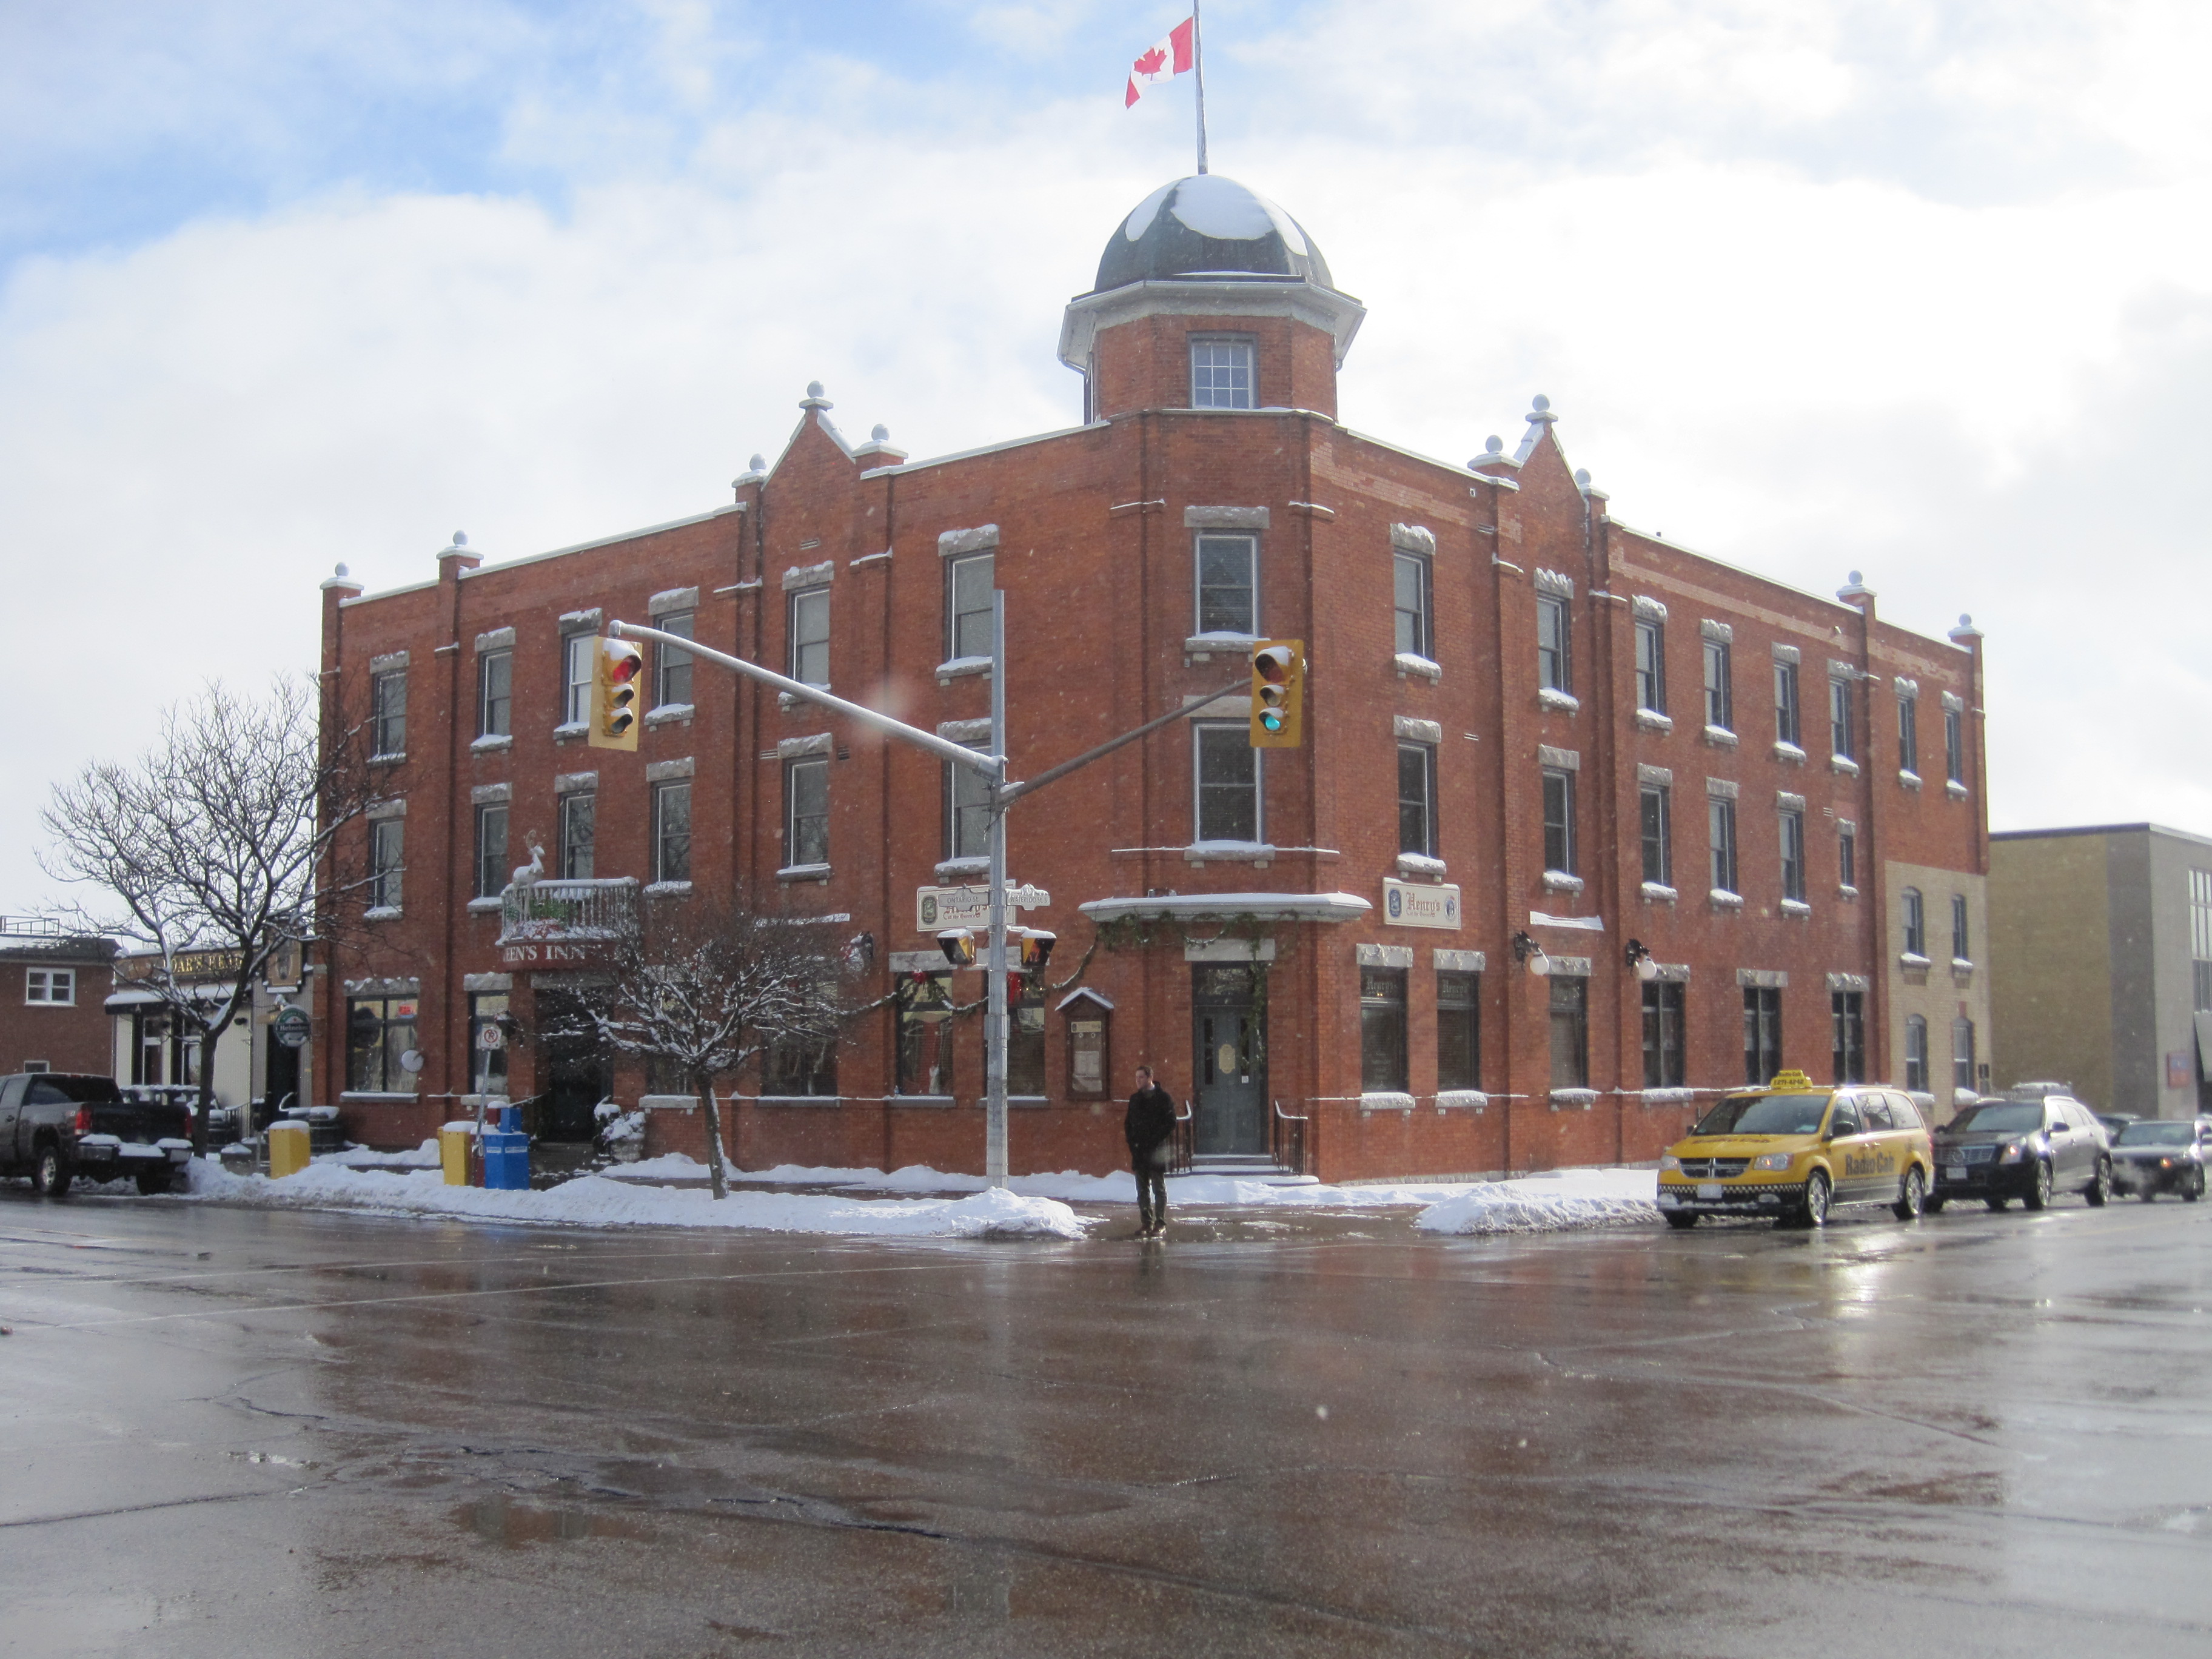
1420,904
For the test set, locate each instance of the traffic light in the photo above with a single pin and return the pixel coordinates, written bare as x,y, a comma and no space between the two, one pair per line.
1036,948
958,945
1279,683
617,676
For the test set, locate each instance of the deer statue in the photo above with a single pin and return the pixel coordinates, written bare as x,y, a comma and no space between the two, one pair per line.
525,875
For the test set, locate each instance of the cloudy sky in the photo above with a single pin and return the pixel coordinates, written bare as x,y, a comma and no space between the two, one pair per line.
1923,289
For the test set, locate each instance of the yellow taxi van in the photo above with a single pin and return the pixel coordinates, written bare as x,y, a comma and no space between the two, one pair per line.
1794,1149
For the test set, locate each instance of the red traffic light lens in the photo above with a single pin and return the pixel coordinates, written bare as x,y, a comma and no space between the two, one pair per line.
622,666
1272,665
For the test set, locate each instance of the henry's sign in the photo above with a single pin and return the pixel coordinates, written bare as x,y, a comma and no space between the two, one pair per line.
1420,904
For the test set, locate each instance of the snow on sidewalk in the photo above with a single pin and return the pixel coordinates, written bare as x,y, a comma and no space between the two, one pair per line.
594,1202
1550,1202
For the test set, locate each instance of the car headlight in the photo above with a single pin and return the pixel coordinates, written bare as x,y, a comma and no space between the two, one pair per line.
1771,1161
1670,1162
2011,1154
2166,1163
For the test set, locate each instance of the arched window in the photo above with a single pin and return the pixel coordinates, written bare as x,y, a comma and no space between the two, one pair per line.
1916,924
1916,1052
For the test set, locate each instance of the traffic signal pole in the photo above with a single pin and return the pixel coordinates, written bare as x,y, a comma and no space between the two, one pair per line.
994,1006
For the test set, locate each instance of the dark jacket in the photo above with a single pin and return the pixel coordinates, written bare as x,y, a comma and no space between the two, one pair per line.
1152,1120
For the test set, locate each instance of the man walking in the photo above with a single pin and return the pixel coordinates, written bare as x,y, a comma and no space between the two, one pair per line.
1150,1122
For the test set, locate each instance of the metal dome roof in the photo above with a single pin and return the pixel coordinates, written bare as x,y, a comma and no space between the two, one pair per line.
1208,226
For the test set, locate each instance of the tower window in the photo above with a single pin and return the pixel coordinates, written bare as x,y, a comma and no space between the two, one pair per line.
1221,373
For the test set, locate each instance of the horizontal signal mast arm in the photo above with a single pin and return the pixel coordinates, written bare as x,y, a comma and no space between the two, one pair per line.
993,767
1016,791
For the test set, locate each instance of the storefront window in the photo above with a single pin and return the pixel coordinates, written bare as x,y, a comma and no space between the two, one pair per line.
1025,1037
1382,1031
924,1014
379,1030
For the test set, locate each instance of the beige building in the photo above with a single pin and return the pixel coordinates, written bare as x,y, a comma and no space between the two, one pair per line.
1939,982
2100,943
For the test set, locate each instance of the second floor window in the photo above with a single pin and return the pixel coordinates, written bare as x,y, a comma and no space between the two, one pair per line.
1416,800
1954,745
495,694
672,681
967,811
1221,373
1559,850
1655,810
1793,856
1788,728
1228,584
576,678
387,844
1409,577
1720,815
1916,924
1651,666
387,713
806,811
1227,770
1847,855
672,830
1554,668
491,849
1842,741
810,636
580,816
967,606
1720,691
1960,943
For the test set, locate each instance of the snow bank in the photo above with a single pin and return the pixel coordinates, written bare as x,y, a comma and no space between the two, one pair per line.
425,1157
595,1201
1546,1203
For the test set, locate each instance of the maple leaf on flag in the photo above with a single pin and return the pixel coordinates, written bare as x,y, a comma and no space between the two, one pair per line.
1151,61
1171,56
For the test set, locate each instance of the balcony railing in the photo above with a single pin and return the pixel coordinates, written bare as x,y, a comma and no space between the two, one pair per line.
566,909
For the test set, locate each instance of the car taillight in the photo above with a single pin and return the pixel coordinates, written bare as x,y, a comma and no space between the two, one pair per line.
83,1125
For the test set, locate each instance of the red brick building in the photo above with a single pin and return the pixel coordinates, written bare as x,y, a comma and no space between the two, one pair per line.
53,987
1533,736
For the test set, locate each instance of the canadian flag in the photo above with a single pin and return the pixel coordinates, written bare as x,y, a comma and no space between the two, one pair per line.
1171,56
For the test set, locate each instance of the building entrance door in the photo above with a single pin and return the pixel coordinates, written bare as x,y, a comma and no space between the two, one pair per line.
577,1069
1229,1068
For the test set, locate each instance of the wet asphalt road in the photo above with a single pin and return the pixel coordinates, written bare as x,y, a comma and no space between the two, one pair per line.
230,1432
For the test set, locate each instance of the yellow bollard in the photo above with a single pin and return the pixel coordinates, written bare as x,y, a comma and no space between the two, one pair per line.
454,1154
288,1147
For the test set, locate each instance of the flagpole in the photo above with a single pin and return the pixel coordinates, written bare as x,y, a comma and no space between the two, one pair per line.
1198,58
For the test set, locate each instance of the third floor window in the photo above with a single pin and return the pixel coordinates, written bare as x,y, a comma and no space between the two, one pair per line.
1554,670
495,694
810,636
1651,666
1221,375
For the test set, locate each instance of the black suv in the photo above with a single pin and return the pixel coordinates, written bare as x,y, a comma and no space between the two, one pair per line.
2030,1149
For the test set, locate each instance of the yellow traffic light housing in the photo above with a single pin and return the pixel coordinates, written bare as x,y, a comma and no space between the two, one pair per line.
617,680
1279,683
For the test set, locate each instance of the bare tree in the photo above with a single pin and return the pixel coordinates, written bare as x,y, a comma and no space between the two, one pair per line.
217,839
700,989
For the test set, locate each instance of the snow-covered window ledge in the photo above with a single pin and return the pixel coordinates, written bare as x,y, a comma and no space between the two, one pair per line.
1721,899
958,667
379,1097
919,1100
1573,1100
801,872
1910,780
1203,647
1955,789
488,906
668,1102
388,760
1462,1100
953,869
798,1100
1789,752
1411,666
1720,737
1385,1100
1258,854
569,730
1670,1097
1911,959
1845,764
1416,867
381,913
1961,965
667,888
786,702
1559,881
1563,702
1845,890
492,745
1658,893
669,713
1651,720
1796,907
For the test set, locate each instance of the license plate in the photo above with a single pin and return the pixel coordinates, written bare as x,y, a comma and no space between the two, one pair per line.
1709,1190
1954,1172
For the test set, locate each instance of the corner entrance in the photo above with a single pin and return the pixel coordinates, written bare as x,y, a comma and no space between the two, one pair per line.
1230,1069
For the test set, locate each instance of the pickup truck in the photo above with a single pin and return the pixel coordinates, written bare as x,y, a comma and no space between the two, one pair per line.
56,1125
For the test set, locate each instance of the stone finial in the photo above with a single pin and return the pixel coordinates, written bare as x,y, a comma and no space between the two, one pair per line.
814,399
1856,592
1965,633
879,433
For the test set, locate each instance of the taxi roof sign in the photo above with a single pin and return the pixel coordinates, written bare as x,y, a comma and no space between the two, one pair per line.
1793,1082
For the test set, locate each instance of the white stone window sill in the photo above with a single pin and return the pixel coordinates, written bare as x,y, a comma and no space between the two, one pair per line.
379,1096
1796,907
1721,899
1573,1100
923,1100
484,907
1670,1097
788,703
493,743
1559,881
1911,959
1961,965
1462,1100
1720,737
1651,720
1658,893
953,869
381,913
668,1102
1409,665
1910,780
798,1100
1203,647
388,760
1845,764
569,730
1789,752
1417,866
1565,702
958,667
668,714
804,872
1258,854
1386,1101
1847,892
667,888
1955,789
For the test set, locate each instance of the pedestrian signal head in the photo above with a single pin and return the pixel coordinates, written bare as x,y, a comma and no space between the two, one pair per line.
617,676
958,945
1279,672
1036,949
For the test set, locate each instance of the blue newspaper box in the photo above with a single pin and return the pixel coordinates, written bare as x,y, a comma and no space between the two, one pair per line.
507,1160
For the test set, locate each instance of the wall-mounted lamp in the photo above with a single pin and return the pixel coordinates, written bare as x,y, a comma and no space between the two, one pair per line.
1530,954
1640,958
